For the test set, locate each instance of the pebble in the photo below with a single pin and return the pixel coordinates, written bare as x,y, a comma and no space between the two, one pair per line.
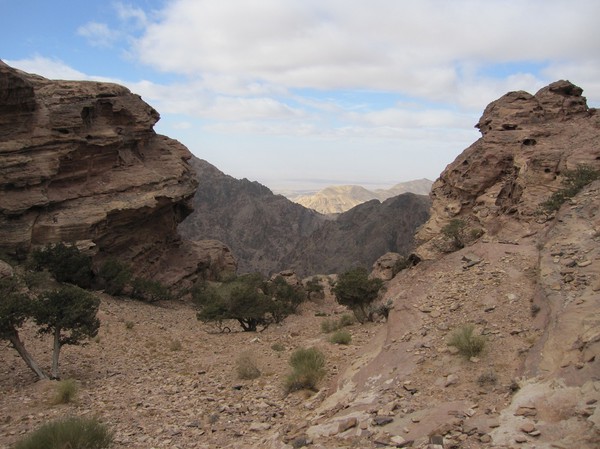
528,427
452,379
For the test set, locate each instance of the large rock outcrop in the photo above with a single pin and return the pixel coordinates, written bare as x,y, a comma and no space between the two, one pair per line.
81,163
527,142
529,287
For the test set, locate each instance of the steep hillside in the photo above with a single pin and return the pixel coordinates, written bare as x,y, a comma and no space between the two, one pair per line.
361,235
259,227
529,286
269,233
81,163
337,199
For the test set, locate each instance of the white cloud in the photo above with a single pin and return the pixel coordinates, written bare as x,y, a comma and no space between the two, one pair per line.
54,69
128,13
98,34
418,48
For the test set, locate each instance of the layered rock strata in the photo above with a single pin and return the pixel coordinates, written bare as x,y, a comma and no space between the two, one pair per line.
81,163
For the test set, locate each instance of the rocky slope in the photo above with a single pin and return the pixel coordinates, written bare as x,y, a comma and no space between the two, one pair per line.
259,227
529,286
361,235
338,199
269,233
81,163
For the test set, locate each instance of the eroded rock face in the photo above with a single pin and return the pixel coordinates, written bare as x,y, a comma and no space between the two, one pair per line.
81,161
527,142
384,268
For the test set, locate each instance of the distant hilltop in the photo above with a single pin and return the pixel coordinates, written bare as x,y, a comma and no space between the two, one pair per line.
338,199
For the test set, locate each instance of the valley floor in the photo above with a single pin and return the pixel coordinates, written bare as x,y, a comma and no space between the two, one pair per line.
161,379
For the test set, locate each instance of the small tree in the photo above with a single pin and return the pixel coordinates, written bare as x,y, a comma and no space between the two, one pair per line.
69,315
248,299
355,290
455,233
65,263
286,298
249,305
15,309
114,276
314,288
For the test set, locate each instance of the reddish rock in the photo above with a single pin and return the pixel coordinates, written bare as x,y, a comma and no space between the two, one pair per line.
527,142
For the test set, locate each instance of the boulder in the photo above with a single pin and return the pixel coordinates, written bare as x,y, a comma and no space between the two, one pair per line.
384,268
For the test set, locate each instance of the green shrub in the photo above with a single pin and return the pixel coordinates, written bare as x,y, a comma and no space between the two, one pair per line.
355,290
175,345
328,325
308,368
487,378
246,367
341,337
278,347
65,263
346,320
455,233
79,433
468,344
314,289
114,276
149,290
66,391
574,181
129,325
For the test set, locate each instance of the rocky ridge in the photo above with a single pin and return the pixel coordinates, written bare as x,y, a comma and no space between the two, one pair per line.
361,235
81,163
527,142
338,199
259,227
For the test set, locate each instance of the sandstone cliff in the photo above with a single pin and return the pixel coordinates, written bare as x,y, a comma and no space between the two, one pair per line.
81,163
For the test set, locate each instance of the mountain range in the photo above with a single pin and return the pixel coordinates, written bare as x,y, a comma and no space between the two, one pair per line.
269,233
338,199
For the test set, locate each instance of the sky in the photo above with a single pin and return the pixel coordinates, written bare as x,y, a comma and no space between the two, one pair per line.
303,94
